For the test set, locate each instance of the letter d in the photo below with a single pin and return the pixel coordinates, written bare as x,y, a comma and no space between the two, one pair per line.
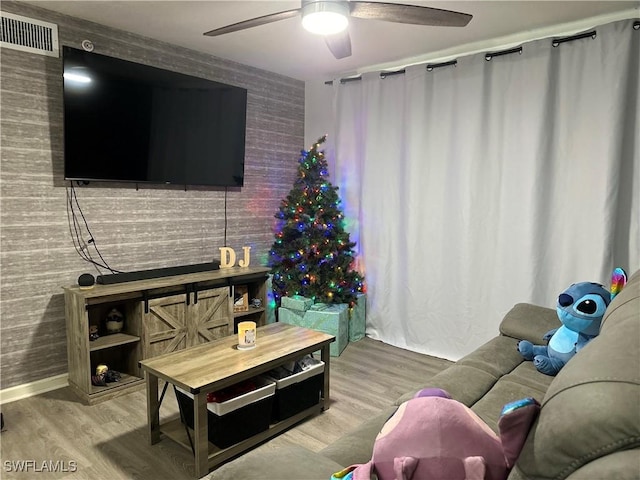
227,257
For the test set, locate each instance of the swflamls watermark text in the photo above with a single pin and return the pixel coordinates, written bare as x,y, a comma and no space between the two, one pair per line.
41,466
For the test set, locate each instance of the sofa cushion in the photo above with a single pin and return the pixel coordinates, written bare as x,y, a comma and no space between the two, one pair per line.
498,356
475,374
465,383
592,407
529,322
357,445
526,374
285,463
508,389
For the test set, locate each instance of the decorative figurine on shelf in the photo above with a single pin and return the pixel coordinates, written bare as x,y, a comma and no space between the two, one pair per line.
104,375
98,379
115,321
241,298
112,376
256,302
93,332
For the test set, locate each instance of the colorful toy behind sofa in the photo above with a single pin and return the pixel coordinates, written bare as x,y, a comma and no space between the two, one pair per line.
580,308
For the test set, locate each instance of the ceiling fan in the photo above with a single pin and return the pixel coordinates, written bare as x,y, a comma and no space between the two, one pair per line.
330,18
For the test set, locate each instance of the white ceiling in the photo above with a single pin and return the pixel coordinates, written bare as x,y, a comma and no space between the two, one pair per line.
284,47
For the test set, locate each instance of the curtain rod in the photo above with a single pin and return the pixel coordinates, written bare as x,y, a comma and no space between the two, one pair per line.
433,66
557,41
344,80
630,15
488,56
390,74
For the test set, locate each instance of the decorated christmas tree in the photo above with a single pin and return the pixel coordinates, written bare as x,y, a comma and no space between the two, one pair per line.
312,255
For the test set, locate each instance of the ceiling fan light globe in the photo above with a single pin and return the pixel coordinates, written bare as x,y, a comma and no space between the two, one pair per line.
325,23
325,18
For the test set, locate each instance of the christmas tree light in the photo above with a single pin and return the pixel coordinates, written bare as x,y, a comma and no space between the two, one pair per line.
312,254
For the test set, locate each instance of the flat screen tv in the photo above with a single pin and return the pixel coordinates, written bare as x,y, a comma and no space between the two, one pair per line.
128,122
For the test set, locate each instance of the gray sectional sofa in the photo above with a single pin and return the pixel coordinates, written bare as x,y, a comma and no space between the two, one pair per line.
589,423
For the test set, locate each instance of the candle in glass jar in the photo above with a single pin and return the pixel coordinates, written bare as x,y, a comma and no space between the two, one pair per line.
246,335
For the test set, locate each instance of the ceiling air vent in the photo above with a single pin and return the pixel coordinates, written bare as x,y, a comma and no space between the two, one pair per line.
28,35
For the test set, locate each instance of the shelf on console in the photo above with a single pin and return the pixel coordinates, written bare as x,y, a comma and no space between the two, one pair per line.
113,340
125,380
251,311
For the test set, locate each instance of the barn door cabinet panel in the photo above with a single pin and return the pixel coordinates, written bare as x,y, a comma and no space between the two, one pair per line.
165,325
161,315
210,316
180,321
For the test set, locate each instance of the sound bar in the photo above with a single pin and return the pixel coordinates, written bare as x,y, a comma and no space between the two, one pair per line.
156,273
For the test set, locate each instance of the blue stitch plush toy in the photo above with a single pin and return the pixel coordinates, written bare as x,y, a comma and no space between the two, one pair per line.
580,310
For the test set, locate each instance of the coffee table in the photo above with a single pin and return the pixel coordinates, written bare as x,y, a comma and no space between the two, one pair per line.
218,364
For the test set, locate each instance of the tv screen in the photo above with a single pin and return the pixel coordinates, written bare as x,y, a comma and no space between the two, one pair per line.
129,122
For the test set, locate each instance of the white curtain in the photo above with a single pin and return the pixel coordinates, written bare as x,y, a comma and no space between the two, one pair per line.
474,187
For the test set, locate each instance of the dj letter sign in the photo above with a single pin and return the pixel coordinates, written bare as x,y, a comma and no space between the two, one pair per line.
228,257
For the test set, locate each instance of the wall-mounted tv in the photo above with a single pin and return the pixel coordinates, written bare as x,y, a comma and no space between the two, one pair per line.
128,122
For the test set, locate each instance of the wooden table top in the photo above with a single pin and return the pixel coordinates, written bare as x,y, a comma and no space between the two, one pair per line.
217,364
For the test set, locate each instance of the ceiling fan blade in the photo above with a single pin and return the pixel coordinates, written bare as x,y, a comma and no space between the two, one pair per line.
254,22
339,44
399,13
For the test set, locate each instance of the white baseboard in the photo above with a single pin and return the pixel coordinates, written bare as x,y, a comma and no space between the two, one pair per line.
25,390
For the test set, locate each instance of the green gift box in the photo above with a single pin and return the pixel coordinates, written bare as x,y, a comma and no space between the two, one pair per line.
357,316
331,319
297,302
292,317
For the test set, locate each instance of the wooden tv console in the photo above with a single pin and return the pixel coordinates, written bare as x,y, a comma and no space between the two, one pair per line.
162,315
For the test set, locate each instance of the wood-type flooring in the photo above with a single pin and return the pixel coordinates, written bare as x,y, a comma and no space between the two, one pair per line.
55,436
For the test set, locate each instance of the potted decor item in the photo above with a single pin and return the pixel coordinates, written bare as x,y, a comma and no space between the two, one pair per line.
115,321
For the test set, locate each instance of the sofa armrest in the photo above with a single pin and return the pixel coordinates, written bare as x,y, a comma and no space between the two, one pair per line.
624,465
594,398
529,322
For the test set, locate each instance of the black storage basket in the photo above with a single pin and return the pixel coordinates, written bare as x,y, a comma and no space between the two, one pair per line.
234,426
298,396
